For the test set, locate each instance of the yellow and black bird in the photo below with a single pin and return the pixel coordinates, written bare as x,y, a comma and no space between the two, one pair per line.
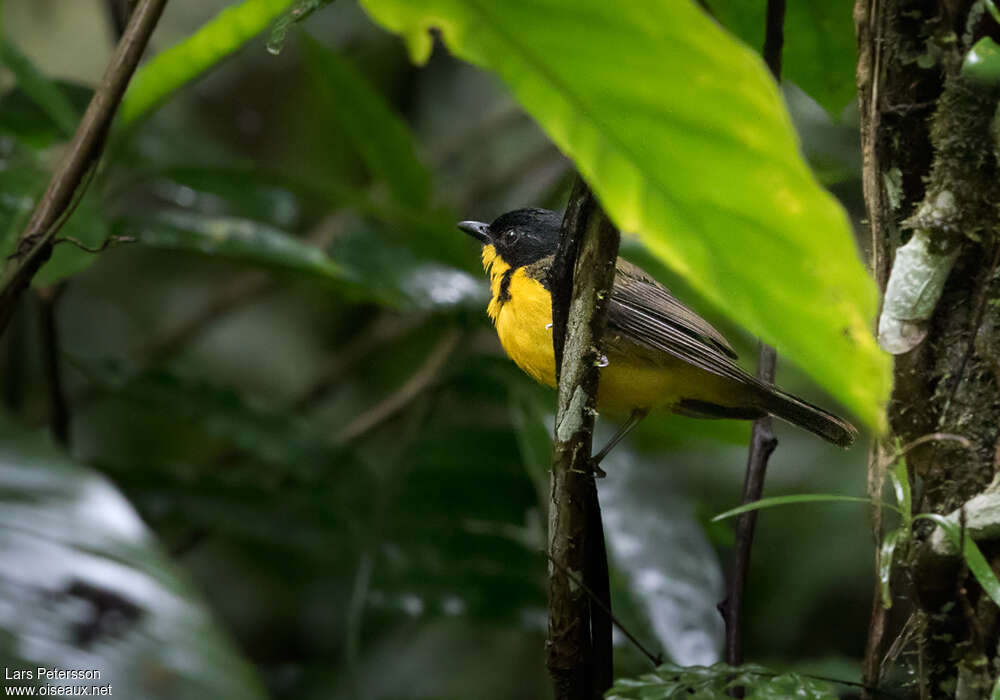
660,354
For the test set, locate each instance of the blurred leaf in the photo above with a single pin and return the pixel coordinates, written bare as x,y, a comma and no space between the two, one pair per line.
45,93
402,270
229,191
231,238
459,538
713,682
85,586
319,516
178,65
820,50
350,103
885,560
297,13
669,566
21,183
22,117
978,565
796,498
272,436
653,102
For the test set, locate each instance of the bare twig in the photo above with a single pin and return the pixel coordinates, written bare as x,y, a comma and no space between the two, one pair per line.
582,274
762,440
411,389
35,244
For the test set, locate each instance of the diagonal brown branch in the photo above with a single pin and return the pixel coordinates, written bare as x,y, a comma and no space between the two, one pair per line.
35,244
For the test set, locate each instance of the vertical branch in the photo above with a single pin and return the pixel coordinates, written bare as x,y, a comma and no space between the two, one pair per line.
59,417
69,179
581,279
867,26
762,440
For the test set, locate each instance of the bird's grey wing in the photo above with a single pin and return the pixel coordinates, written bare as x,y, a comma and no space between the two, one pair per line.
648,314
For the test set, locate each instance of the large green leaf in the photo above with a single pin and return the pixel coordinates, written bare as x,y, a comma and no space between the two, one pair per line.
180,64
819,51
85,586
349,101
682,133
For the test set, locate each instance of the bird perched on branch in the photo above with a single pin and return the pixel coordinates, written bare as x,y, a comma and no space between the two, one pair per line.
660,354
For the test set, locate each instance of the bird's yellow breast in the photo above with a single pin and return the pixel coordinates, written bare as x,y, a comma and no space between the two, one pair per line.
521,309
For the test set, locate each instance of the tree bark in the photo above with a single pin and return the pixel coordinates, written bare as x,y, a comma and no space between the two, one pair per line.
930,173
579,643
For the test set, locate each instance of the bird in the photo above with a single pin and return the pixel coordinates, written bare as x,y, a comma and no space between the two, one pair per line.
658,354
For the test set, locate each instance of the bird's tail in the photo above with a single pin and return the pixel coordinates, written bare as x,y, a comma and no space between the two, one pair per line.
805,415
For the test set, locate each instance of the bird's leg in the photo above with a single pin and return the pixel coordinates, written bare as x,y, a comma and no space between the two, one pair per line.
633,420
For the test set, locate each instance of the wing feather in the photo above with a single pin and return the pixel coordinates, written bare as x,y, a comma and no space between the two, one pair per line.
648,314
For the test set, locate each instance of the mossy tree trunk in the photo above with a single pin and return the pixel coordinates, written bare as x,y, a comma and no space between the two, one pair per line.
929,140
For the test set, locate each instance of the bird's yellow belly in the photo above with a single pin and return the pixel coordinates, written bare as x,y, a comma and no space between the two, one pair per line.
627,382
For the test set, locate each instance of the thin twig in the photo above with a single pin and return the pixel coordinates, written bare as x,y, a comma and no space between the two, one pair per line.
655,659
411,389
35,243
107,243
762,440
581,275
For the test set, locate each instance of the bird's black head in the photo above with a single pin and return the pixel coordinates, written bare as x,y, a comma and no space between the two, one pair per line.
520,237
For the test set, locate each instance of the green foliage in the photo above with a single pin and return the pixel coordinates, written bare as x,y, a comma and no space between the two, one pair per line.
652,131
49,97
269,435
819,50
671,682
35,126
899,536
335,176
101,594
381,138
232,238
789,500
175,67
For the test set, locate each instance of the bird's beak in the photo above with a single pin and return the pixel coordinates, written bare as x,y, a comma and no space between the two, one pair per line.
476,229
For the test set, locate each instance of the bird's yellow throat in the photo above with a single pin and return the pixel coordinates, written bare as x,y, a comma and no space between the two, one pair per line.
524,327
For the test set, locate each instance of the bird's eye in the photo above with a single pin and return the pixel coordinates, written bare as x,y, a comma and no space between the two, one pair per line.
510,236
